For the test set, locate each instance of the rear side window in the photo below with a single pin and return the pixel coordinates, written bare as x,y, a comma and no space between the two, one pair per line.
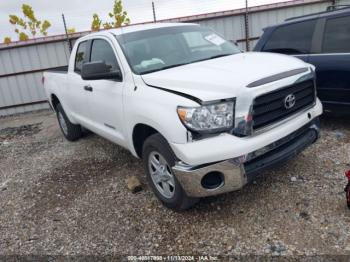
80,56
336,37
101,50
292,39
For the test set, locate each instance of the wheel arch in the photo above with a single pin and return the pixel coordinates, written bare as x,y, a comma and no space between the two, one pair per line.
139,135
54,101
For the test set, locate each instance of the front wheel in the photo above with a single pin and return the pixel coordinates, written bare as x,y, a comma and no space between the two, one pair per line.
158,161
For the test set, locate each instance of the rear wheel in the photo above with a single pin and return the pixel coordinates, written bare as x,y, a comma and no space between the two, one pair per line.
70,131
158,161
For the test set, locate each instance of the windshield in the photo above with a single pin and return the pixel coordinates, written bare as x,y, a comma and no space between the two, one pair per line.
162,48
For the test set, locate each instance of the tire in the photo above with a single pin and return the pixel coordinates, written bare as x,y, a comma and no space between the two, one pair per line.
70,131
176,198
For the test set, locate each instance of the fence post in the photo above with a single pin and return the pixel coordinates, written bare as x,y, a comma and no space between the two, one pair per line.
154,12
247,26
65,29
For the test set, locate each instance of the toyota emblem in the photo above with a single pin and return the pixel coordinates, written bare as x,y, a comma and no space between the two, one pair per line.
289,101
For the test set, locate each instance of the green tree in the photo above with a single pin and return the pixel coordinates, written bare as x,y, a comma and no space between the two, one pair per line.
71,30
119,16
7,40
29,24
23,36
96,22
107,25
44,26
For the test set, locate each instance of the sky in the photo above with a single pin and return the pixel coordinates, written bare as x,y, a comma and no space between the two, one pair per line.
78,13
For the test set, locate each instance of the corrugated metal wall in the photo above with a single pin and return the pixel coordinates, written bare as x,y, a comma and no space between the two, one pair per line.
21,66
20,74
232,27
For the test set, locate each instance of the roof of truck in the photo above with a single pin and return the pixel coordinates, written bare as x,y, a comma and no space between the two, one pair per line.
134,28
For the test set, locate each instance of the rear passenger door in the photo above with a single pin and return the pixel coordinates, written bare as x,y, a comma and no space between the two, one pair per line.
332,61
292,39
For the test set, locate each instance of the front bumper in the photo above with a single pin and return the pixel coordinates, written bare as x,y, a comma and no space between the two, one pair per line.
238,171
227,146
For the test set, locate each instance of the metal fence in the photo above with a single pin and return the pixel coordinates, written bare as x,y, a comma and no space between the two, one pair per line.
232,26
22,63
20,75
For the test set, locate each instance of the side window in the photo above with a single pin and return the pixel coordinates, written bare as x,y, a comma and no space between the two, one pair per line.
101,50
292,39
79,57
336,37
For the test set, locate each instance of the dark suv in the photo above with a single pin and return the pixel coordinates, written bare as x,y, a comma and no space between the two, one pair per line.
321,39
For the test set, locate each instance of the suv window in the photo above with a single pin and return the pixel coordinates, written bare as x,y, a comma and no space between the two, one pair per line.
79,57
292,39
101,50
337,35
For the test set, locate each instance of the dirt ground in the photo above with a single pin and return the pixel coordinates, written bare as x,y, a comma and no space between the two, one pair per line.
63,198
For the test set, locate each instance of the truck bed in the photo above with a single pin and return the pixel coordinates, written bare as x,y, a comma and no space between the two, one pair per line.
59,70
55,79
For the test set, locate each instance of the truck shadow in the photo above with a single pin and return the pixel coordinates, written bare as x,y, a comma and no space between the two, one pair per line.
332,122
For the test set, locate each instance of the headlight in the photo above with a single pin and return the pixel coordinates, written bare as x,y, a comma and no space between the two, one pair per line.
208,118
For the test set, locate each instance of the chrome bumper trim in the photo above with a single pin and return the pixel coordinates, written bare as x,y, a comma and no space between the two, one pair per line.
232,170
190,177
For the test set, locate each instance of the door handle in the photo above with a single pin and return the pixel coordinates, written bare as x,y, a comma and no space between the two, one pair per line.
88,88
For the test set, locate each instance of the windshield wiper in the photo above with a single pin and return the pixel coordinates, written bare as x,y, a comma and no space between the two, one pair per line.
289,51
211,57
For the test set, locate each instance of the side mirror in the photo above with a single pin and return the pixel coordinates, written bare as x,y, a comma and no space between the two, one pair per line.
99,70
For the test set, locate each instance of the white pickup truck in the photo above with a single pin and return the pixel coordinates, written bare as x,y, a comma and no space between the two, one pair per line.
204,117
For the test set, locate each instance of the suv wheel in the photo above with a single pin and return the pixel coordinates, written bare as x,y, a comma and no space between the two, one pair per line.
158,161
70,131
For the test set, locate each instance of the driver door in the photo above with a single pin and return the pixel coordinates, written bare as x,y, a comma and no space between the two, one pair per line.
105,97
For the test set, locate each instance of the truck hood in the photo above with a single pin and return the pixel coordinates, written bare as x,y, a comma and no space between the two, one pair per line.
222,77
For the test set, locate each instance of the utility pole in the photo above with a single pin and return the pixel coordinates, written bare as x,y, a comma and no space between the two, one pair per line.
65,29
154,12
247,26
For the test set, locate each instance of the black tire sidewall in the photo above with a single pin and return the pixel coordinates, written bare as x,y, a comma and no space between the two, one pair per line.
157,143
73,131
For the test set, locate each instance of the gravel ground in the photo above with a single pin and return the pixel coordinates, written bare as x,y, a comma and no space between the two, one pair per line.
63,198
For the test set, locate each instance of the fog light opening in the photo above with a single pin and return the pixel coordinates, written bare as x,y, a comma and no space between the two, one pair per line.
213,180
